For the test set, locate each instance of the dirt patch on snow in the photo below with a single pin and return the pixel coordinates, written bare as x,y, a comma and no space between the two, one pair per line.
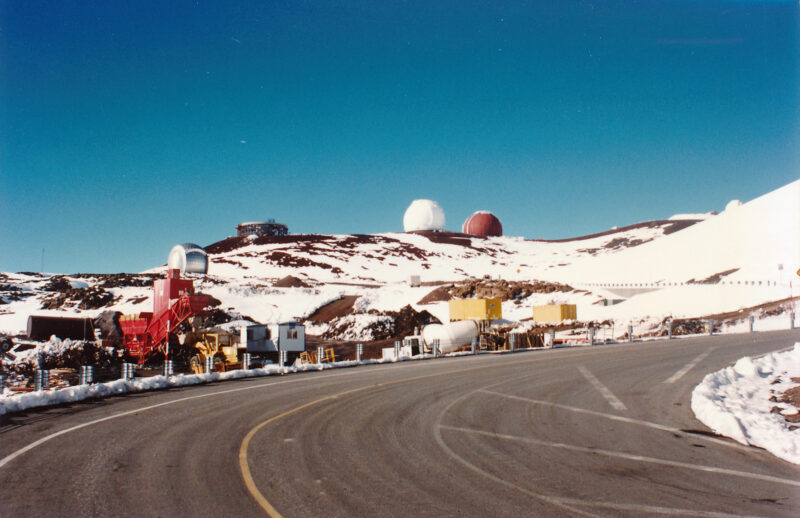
291,281
65,295
714,279
669,226
440,294
337,308
492,289
379,325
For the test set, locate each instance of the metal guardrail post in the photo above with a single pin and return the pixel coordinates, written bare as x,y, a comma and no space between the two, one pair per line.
630,332
246,361
752,320
552,338
710,326
474,344
86,375
435,347
591,336
320,354
791,316
669,329
41,379
397,349
359,351
209,364
169,368
512,341
281,358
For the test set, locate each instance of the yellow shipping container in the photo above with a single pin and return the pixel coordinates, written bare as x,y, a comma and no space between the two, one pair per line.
555,313
476,309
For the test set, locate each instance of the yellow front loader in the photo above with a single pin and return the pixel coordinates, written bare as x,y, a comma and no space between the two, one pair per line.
223,347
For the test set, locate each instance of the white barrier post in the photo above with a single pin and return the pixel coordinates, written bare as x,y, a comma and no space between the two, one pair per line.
169,367
474,344
752,322
320,353
512,341
397,349
209,364
591,335
281,358
359,351
791,316
669,329
552,338
630,332
435,347
710,326
246,361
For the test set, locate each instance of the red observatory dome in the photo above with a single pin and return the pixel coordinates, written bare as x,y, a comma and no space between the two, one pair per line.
483,224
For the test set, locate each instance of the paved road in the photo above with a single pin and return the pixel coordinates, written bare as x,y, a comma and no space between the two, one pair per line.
569,432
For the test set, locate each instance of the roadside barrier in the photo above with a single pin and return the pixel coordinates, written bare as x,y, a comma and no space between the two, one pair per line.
86,375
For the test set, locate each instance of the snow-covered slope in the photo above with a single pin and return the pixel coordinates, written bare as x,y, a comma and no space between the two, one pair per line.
722,263
754,239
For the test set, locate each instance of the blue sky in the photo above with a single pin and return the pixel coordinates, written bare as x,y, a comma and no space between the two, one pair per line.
125,129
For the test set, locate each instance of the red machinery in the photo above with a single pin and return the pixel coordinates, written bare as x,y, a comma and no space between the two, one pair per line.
174,302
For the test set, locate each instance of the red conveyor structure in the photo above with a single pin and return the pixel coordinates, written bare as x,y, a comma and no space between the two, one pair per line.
174,302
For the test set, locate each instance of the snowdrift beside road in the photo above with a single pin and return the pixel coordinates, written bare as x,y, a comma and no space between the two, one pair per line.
735,402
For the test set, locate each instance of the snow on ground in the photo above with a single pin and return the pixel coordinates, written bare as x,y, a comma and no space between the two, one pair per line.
735,402
20,402
747,243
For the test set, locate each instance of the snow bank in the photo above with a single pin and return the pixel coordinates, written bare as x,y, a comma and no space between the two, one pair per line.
16,403
735,402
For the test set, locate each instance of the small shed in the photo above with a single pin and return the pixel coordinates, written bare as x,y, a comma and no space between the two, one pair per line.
476,309
555,313
291,336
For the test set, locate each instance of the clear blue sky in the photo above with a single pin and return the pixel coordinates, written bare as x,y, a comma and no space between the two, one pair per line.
128,127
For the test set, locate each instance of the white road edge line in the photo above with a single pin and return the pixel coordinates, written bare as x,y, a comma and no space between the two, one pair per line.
46,438
602,389
570,504
686,368
627,456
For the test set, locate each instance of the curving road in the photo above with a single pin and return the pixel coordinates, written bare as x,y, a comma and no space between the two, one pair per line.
601,431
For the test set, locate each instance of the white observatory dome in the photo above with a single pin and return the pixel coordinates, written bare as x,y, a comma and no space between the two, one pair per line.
423,215
733,204
188,258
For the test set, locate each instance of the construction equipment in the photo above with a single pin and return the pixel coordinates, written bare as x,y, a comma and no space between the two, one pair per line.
144,335
223,347
311,356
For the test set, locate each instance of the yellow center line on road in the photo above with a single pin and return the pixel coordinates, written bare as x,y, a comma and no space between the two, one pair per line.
247,475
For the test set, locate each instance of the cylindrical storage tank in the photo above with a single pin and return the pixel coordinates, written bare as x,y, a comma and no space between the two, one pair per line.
452,335
188,258
483,224
423,215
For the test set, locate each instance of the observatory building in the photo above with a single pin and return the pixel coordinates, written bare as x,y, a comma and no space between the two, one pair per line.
423,215
188,258
261,228
483,224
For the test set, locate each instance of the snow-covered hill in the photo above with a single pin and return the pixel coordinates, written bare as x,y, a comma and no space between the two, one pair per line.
696,266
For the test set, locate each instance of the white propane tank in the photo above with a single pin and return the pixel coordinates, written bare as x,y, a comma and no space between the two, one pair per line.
452,335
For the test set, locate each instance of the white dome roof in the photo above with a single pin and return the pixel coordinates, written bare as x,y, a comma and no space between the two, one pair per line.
188,258
423,215
733,204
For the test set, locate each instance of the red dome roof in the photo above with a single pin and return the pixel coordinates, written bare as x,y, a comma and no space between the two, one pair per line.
483,224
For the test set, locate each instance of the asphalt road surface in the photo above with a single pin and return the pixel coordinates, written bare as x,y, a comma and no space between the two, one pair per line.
592,431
